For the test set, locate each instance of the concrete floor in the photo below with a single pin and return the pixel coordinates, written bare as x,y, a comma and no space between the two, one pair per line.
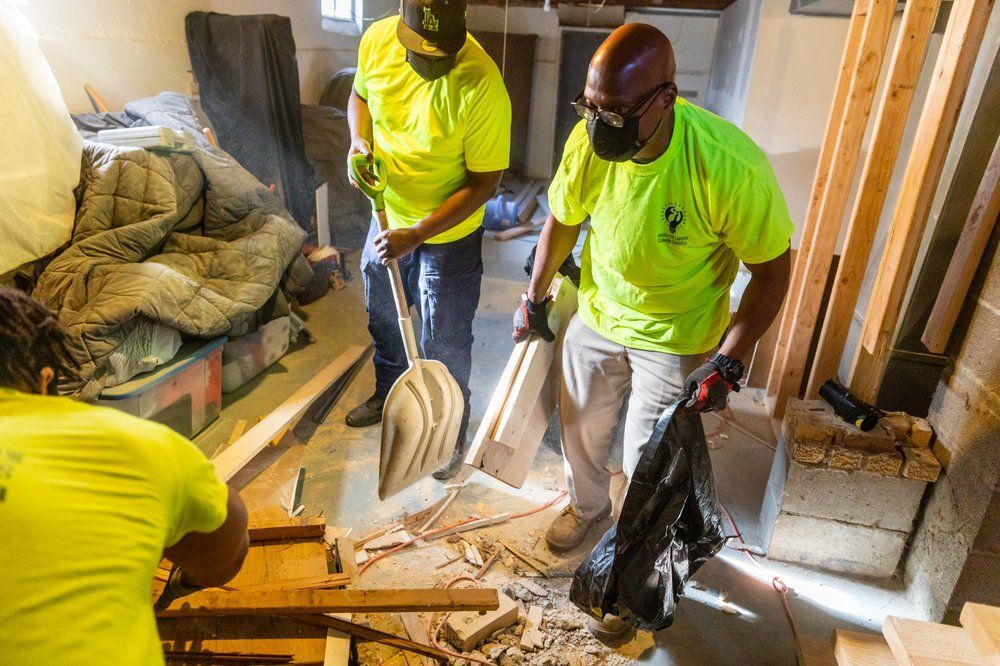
341,477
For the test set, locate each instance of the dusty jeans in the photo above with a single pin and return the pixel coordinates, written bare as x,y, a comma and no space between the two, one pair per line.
443,282
597,376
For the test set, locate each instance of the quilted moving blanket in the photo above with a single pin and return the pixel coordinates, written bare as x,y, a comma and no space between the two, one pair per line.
191,240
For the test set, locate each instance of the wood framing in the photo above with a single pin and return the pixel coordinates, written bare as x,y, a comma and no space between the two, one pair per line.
231,460
523,402
833,123
982,623
209,603
957,57
312,527
854,648
806,295
914,642
968,253
903,75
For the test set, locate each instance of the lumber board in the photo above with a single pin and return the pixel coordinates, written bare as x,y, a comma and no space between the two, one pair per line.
806,295
956,59
311,527
305,602
917,643
370,634
242,451
305,583
968,253
982,624
853,648
523,402
849,57
474,525
905,66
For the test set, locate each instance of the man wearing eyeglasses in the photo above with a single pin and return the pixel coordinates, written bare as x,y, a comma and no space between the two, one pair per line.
677,197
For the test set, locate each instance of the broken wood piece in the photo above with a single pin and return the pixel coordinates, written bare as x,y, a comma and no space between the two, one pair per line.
527,559
489,562
472,525
370,634
310,527
533,639
235,457
307,583
915,642
472,554
441,509
460,556
390,540
467,630
207,603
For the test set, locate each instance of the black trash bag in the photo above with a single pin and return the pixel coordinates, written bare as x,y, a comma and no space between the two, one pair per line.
670,525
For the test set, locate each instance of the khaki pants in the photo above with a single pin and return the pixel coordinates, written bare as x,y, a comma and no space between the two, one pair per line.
597,375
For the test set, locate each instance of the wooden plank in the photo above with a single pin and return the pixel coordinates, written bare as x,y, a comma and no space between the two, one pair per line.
982,623
806,295
374,635
905,66
916,643
968,253
956,59
235,457
306,583
300,602
311,527
852,648
523,402
833,123
474,525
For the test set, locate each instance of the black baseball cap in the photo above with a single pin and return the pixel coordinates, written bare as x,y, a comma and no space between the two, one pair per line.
433,28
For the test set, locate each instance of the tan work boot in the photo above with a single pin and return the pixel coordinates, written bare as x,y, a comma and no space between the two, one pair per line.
569,530
611,630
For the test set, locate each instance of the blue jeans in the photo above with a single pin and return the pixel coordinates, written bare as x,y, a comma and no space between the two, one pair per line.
443,282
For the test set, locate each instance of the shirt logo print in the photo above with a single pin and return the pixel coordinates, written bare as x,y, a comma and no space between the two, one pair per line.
673,217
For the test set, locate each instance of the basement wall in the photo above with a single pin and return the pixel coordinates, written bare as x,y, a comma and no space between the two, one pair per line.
129,50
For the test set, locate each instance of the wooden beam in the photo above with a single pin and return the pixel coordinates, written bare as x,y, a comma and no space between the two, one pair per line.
833,123
370,634
311,527
299,602
806,295
957,57
905,66
306,583
916,643
968,253
242,451
982,623
853,648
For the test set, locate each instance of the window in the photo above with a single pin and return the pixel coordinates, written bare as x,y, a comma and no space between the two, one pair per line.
338,10
342,16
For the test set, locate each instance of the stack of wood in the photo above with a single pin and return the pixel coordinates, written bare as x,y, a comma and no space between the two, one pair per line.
905,641
292,602
527,200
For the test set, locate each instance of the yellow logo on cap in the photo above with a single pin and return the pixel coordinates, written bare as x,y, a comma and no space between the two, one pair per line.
428,46
430,21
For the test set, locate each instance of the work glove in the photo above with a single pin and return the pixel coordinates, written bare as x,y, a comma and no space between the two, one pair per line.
706,389
174,589
531,318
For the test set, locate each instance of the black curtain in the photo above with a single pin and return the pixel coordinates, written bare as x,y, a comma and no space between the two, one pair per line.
248,80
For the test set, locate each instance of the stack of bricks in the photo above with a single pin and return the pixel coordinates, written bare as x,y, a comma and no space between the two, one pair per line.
842,499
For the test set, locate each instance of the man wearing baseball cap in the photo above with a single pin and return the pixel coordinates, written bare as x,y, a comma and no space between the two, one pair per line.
432,104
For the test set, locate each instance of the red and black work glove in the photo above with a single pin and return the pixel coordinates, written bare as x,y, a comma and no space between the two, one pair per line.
707,388
531,318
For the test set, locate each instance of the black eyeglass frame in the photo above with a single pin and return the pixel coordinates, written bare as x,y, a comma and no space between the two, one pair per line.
613,118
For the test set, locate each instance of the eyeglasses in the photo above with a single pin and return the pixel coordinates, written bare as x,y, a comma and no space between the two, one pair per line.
589,113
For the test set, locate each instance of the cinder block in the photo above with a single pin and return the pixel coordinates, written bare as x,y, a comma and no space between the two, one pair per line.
836,546
877,440
884,464
809,420
921,433
920,464
897,423
809,453
468,629
844,458
858,497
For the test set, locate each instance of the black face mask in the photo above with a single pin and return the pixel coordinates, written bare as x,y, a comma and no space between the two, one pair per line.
430,69
615,144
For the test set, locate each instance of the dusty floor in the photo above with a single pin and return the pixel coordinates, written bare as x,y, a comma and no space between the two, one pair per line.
341,476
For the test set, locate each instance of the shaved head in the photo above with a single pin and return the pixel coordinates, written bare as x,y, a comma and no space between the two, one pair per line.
632,61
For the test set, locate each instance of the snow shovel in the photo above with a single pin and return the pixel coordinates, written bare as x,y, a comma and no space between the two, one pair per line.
423,411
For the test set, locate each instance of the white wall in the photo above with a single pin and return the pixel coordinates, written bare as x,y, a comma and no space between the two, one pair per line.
133,49
732,61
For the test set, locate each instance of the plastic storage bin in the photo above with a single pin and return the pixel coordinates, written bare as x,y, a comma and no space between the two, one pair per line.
248,356
184,394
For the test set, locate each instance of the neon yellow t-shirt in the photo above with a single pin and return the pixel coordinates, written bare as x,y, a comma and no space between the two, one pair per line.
666,237
89,498
430,133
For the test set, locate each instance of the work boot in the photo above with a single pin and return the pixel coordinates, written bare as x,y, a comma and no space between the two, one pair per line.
569,529
611,630
367,413
454,465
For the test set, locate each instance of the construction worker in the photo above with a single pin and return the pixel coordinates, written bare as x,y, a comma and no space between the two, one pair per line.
91,499
431,103
677,198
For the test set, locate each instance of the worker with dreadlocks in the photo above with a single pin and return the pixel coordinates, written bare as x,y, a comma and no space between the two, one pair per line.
90,500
